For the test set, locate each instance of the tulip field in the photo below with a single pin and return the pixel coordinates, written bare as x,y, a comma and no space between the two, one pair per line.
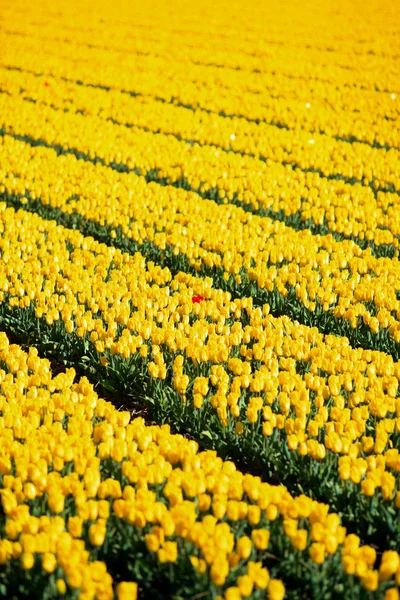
199,300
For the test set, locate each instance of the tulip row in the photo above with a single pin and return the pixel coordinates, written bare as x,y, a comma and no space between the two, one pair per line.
305,408
371,127
355,162
155,41
268,189
314,279
287,70
194,205
80,482
372,38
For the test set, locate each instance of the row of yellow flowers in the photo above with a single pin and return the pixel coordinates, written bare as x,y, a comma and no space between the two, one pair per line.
242,66
154,39
325,274
184,133
238,367
349,210
272,21
216,90
78,479
330,156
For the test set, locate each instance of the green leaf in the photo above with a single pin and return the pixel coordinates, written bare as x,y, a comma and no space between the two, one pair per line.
207,434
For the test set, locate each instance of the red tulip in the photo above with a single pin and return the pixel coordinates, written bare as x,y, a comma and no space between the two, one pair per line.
197,299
